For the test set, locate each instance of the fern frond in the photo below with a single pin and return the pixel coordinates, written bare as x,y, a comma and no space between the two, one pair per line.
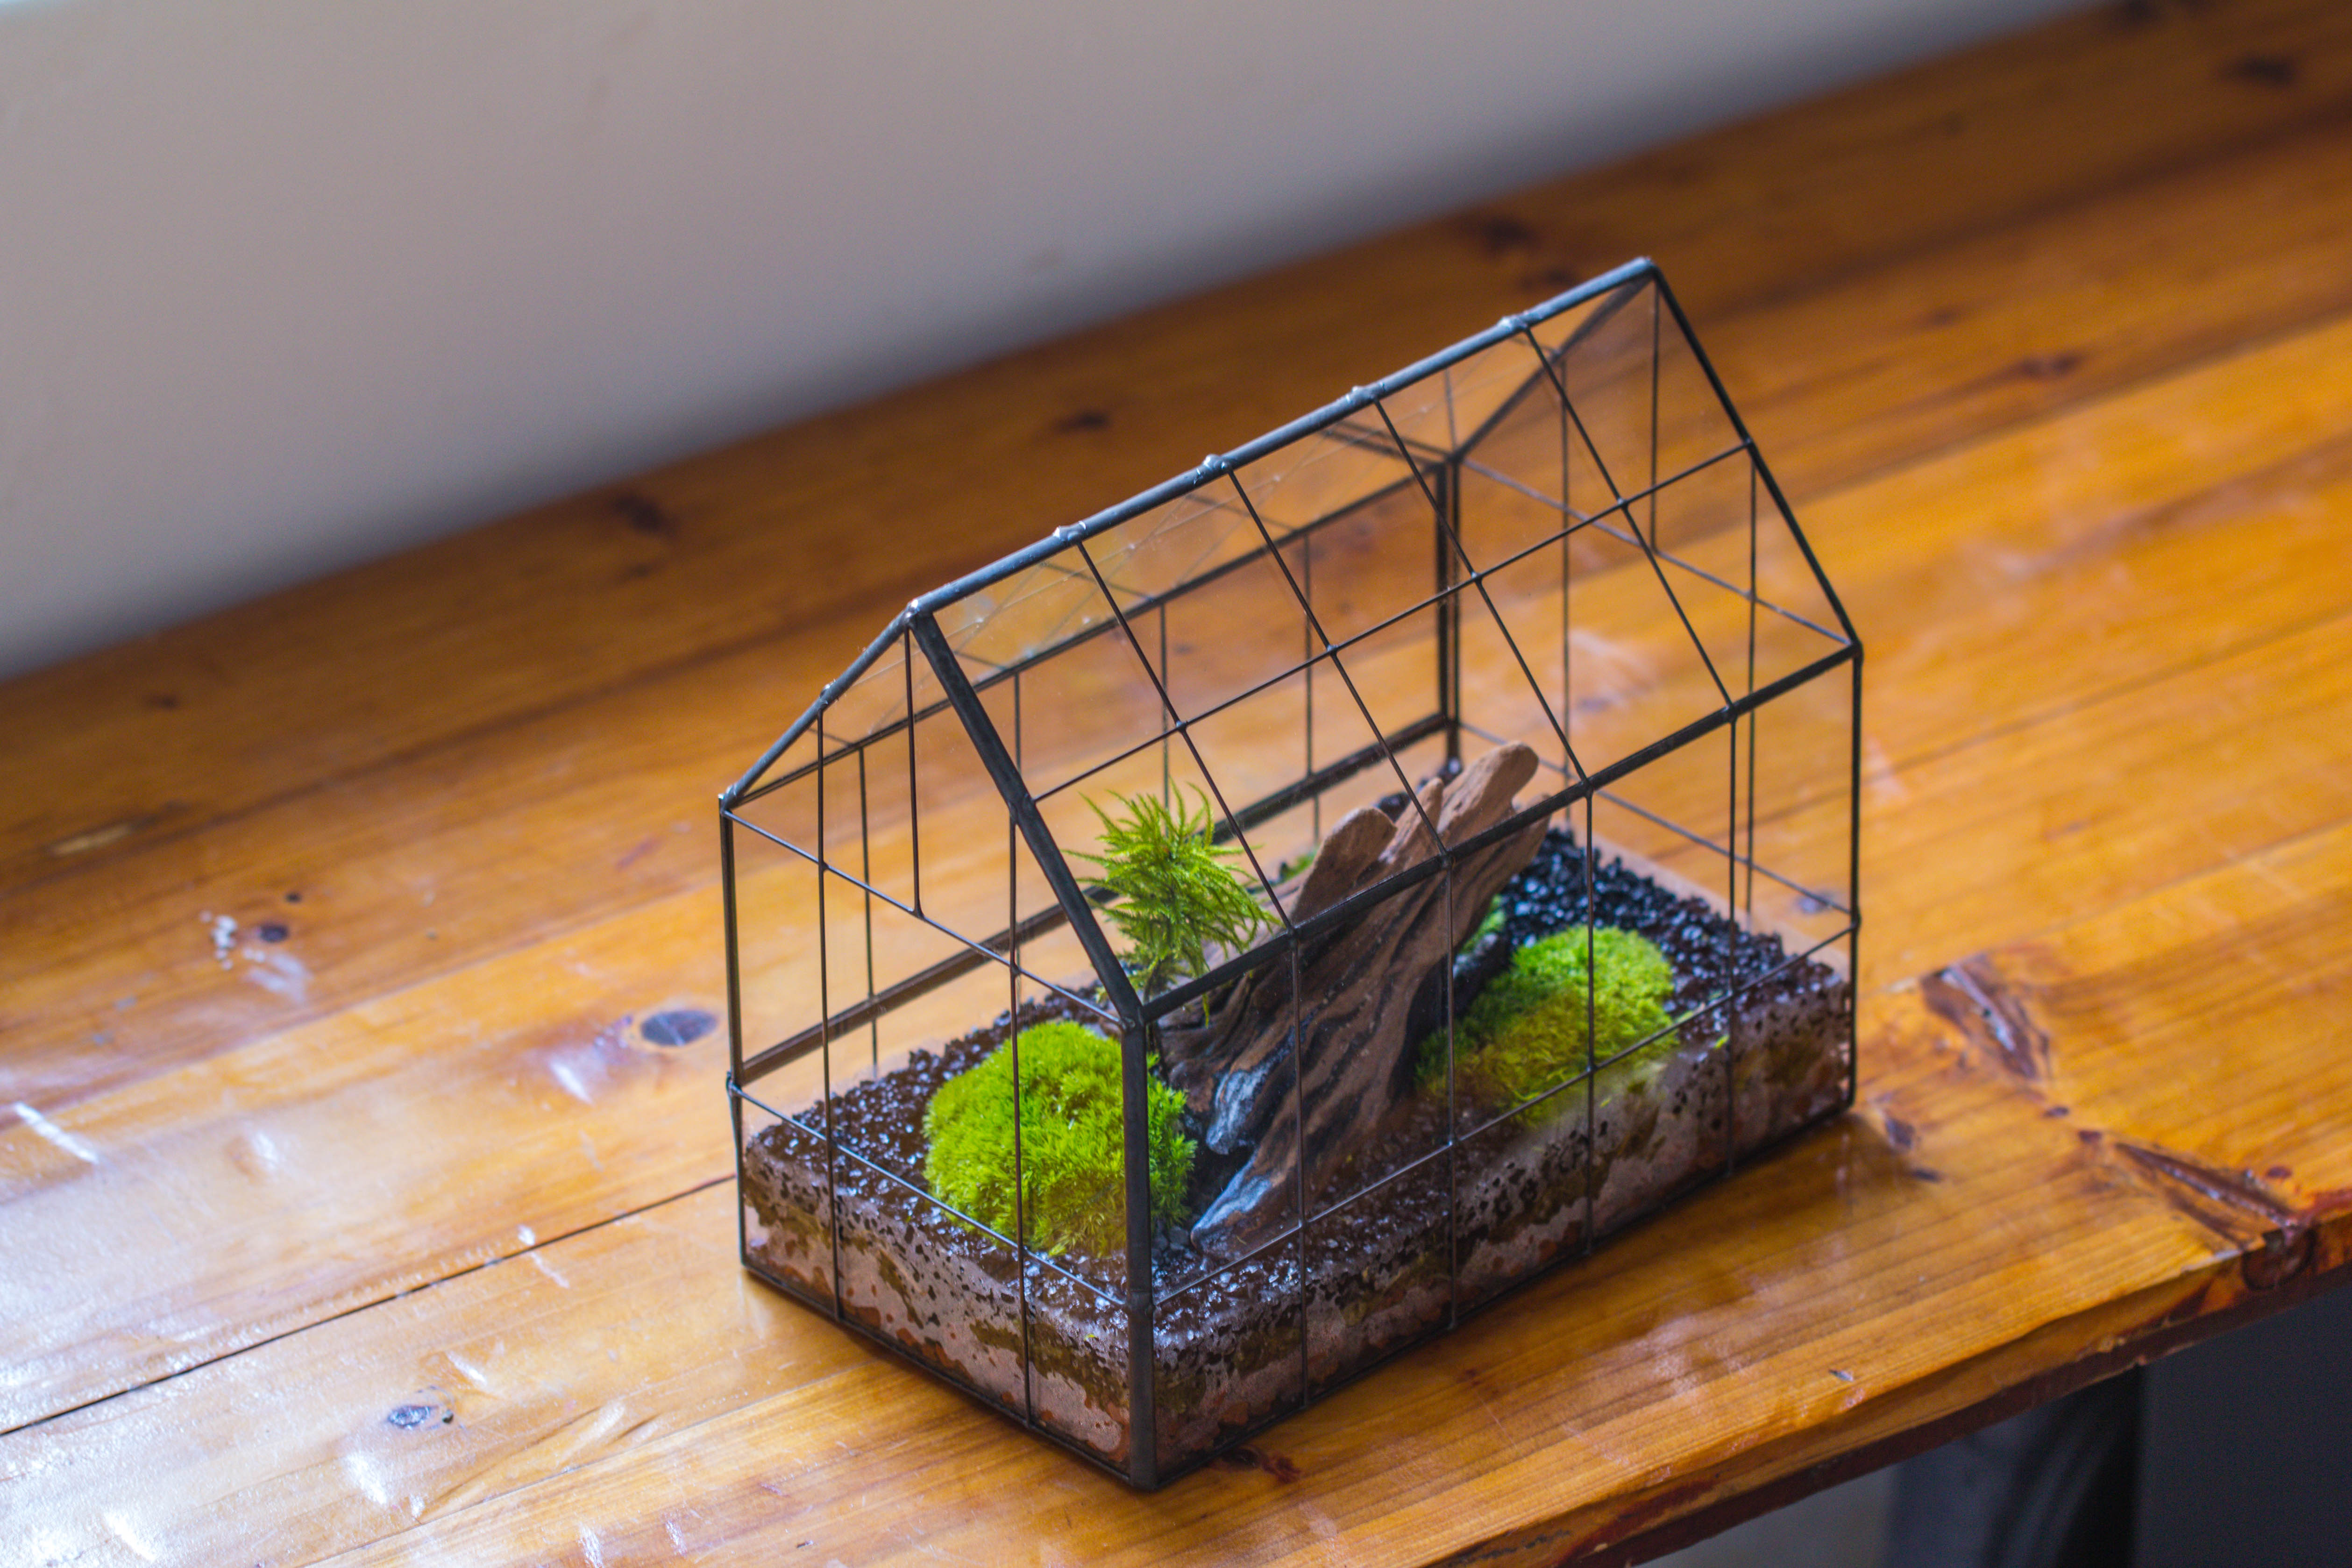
1177,889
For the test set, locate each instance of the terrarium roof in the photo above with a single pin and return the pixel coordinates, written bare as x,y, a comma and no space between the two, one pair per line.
1429,415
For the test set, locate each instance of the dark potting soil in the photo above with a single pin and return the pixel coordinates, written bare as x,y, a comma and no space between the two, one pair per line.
1428,1227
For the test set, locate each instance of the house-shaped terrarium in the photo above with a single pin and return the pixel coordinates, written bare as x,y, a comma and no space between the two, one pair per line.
1218,947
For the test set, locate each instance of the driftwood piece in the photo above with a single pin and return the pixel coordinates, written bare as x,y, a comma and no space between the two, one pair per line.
1343,1004
1348,852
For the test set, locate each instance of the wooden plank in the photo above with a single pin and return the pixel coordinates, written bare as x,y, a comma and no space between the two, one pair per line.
2012,590
426,1404
407,1109
382,1147
2023,321
643,1335
2244,1136
1973,611
1934,1213
1648,1345
154,739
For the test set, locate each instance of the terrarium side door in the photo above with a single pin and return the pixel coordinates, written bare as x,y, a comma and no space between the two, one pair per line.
1134,1044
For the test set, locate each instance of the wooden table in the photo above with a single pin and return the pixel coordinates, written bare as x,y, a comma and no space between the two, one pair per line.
375,1230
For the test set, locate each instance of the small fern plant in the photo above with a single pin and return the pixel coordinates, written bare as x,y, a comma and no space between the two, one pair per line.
1178,890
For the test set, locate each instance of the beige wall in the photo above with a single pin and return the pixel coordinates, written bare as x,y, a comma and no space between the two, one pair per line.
286,284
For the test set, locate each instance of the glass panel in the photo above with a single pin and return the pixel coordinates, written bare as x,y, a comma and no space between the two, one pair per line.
1606,373
1392,675
1710,504
1661,1123
928,1281
1056,971
1260,744
1562,333
1500,522
1520,1193
1793,623
1378,1273
1792,1046
1449,409
1634,675
1370,565
1501,700
1529,1019
1785,581
1291,840
1714,545
1174,543
1693,425
1225,1355
777,977
878,698
1340,728
1322,474
869,826
965,883
1664,874
885,1064
1089,703
1797,814
1666,864
1226,634
786,1187
784,801
1078,1363
1010,622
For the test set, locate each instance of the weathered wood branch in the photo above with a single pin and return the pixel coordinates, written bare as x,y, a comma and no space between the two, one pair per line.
1342,1007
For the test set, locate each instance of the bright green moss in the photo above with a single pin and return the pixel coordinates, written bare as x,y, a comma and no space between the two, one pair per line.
1526,1033
1072,1153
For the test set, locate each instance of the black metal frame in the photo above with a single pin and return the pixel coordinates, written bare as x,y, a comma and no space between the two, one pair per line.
1459,585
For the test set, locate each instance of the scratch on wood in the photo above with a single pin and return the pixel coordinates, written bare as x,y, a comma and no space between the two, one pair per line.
1972,1000
1279,1466
2234,1189
98,838
2281,1242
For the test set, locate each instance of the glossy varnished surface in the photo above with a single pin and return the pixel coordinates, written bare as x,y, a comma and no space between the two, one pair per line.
394,1237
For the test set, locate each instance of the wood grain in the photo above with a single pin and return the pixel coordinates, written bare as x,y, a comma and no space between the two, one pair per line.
1983,823
487,1111
2050,338
1966,608
1944,1170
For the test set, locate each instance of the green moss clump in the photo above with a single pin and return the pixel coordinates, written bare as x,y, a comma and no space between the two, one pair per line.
1526,1033
1073,1159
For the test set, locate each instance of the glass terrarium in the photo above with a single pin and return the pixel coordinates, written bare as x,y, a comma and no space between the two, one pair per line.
1218,947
